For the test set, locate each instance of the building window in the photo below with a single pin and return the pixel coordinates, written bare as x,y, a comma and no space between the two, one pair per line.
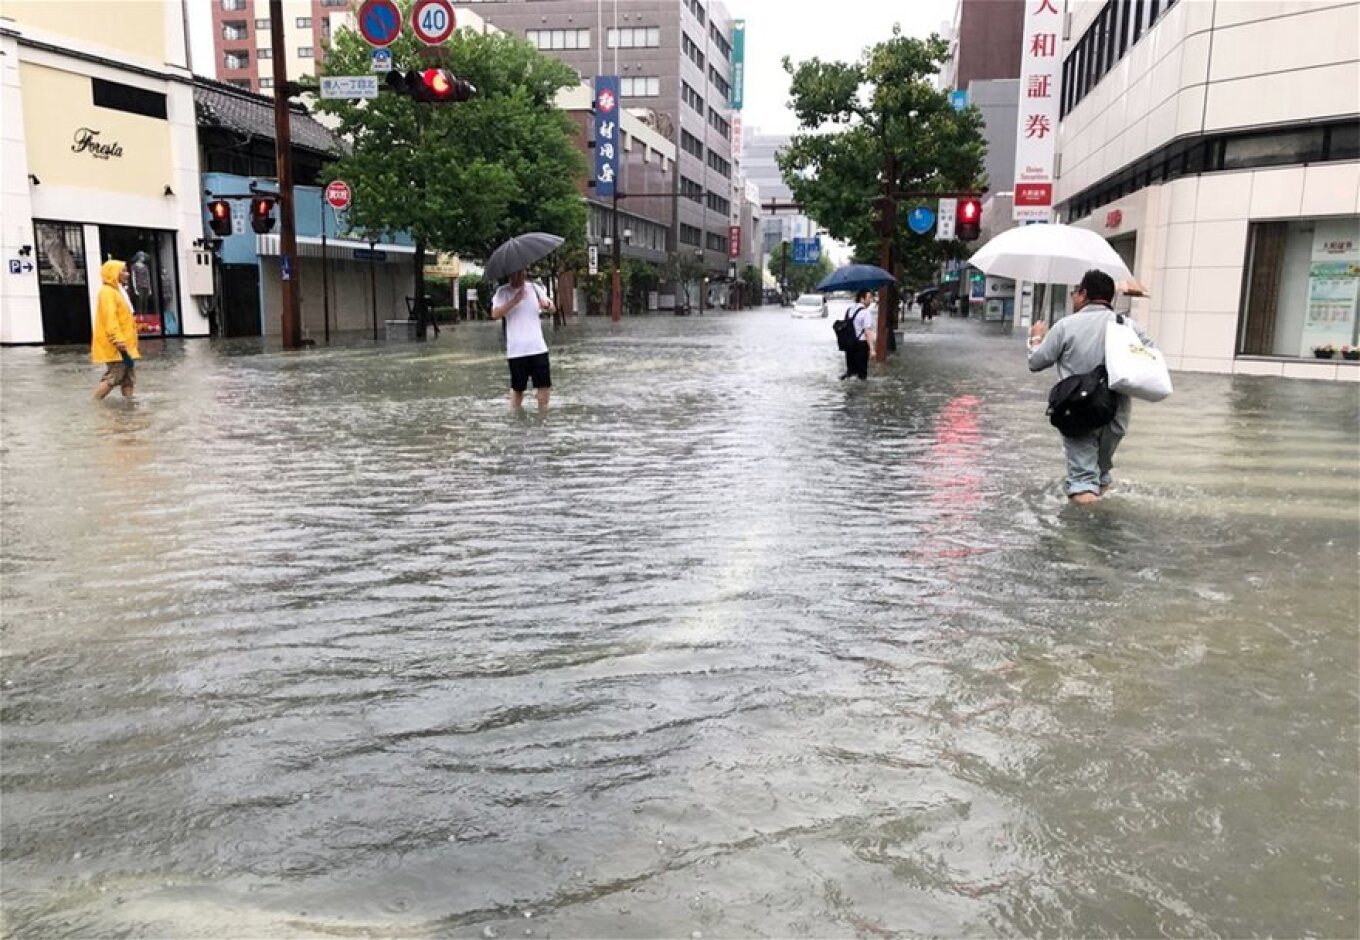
718,203
236,60
691,144
720,41
240,83
232,6
304,22
558,38
234,31
697,9
639,37
717,122
306,52
691,190
264,53
689,235
261,25
716,162
692,97
335,3
119,97
1301,287
715,78
1304,146
266,83
1115,29
640,87
692,50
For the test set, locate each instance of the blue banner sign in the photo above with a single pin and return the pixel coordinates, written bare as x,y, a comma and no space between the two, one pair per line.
807,250
606,134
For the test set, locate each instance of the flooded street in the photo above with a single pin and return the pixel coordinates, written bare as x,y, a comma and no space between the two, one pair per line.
331,644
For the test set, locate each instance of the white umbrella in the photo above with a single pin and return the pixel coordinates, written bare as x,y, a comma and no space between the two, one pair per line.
1049,254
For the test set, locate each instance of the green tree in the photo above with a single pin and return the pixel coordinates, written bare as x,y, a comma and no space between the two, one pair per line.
460,177
875,120
753,285
684,269
803,278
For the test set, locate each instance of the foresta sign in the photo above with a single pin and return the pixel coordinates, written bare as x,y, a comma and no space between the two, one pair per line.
85,142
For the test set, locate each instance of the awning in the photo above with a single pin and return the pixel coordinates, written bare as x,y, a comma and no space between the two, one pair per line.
337,249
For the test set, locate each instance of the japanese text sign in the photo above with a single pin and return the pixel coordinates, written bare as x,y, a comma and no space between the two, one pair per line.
1036,133
606,134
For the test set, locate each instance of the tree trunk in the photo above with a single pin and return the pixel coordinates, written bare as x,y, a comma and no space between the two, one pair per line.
419,312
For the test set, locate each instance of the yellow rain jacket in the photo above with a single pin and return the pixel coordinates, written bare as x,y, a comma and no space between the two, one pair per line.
113,323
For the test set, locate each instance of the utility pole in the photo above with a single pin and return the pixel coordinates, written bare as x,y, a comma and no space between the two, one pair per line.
616,300
887,295
283,158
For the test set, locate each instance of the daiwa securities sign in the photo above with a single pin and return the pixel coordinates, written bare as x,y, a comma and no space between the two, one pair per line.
1036,133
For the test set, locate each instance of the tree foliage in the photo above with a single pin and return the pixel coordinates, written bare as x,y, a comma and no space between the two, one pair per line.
684,269
857,119
461,177
803,278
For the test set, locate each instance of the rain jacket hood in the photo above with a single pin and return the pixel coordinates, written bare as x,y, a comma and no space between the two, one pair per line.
114,326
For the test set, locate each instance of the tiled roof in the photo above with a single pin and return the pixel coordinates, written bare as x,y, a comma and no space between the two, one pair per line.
226,106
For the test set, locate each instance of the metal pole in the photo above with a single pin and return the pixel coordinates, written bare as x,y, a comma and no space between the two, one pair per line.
616,303
886,295
283,158
325,277
373,285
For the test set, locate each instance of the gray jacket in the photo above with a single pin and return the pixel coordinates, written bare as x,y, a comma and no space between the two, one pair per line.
1076,344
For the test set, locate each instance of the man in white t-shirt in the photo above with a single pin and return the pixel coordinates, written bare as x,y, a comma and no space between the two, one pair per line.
520,303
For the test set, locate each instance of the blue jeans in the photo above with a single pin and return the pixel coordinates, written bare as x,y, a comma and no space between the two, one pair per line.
1090,459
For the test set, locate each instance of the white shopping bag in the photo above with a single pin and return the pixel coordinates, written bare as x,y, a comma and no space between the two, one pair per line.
1135,369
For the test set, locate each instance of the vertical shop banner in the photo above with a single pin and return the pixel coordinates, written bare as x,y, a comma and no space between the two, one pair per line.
734,241
1333,286
736,136
1036,132
738,63
606,135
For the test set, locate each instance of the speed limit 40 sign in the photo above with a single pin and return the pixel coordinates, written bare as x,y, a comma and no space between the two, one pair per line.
432,21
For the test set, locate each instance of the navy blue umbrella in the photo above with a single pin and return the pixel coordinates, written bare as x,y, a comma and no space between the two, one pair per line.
856,277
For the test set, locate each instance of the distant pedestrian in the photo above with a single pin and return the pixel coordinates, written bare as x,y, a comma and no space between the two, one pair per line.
864,324
114,343
927,308
1076,345
520,303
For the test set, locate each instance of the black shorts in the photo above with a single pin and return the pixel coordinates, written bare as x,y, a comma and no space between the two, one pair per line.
524,368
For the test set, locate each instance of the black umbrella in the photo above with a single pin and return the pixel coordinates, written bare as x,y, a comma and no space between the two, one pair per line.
519,253
856,277
926,292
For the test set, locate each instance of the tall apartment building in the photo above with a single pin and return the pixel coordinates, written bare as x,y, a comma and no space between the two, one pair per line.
242,42
675,59
984,42
1217,147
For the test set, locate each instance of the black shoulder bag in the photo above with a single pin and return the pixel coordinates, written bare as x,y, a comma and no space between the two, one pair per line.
1081,404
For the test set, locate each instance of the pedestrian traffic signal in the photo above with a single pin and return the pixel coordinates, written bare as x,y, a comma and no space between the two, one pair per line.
262,214
432,86
968,220
219,216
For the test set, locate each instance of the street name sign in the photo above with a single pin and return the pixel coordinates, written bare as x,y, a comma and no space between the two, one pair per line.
379,22
944,228
349,86
432,21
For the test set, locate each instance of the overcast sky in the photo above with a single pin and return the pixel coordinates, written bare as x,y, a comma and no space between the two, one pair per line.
801,29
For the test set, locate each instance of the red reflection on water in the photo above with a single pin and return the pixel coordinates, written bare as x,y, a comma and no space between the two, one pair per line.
955,454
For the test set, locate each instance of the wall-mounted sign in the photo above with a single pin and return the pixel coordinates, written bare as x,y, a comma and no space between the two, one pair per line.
86,141
738,65
1114,218
606,134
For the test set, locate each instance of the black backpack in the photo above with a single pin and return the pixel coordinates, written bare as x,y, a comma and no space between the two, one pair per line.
845,330
1081,404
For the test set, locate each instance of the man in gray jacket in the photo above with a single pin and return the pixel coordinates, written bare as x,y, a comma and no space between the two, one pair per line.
1076,344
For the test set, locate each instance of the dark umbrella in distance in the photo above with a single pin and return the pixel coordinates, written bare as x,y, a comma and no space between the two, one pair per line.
925,292
856,277
519,253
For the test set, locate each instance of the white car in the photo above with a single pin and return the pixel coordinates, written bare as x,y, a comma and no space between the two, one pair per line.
809,307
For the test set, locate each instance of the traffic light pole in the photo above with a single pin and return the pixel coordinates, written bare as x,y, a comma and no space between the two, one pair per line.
283,157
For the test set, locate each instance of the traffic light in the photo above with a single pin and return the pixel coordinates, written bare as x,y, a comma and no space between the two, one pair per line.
968,220
219,216
432,86
261,214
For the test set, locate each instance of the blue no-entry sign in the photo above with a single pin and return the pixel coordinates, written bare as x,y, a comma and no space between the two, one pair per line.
379,22
920,220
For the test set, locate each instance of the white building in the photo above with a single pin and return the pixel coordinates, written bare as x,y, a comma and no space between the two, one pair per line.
99,160
1216,143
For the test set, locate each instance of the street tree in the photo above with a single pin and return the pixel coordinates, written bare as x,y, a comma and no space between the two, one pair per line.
460,177
802,278
876,128
686,270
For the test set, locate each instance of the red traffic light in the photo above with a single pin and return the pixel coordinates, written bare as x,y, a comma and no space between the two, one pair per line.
968,220
219,217
432,86
262,215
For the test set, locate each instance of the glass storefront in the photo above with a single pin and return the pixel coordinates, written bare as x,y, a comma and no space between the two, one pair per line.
63,294
1303,287
150,257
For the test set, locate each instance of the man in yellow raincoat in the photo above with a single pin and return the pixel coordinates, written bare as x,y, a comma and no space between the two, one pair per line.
115,332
